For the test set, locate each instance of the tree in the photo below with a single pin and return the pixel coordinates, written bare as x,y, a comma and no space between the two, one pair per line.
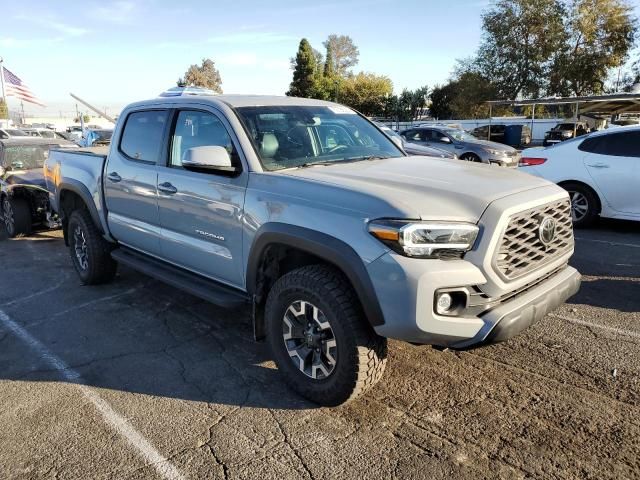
4,110
600,34
85,119
441,100
329,65
205,75
365,92
520,39
304,72
344,52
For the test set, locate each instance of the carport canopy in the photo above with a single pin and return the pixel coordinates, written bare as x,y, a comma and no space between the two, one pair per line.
613,104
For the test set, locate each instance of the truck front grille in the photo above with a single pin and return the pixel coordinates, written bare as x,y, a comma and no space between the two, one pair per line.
521,249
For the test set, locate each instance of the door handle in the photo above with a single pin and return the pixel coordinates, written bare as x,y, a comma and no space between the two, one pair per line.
598,165
167,188
114,177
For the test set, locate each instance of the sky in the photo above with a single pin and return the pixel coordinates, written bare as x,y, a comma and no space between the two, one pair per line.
114,52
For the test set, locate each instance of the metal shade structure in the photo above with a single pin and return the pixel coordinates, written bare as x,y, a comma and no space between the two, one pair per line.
613,104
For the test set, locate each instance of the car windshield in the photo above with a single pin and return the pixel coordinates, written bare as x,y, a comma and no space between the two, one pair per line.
300,136
16,133
103,135
25,157
460,135
565,126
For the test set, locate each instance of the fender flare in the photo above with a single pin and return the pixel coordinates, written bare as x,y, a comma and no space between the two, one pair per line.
326,247
83,192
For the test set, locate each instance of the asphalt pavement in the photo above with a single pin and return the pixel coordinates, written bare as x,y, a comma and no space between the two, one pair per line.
137,380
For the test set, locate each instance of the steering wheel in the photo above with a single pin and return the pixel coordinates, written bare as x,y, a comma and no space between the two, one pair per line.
337,148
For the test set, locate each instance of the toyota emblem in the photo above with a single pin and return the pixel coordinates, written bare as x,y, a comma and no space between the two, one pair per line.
547,230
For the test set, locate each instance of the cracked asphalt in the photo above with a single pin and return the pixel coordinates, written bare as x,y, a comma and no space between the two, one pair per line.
561,400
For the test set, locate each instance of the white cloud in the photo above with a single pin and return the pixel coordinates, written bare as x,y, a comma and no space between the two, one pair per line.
120,12
251,37
50,23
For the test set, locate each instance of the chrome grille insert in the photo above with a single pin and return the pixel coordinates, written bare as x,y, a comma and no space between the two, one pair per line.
521,250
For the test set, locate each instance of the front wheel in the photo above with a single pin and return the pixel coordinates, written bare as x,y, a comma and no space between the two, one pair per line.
16,214
319,338
90,252
471,157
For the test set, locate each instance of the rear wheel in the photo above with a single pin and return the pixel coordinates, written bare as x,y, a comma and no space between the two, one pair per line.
17,216
584,204
90,253
319,338
470,157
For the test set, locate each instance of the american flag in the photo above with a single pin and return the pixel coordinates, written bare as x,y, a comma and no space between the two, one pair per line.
14,87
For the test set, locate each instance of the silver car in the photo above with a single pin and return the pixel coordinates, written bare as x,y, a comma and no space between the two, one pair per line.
415,149
464,145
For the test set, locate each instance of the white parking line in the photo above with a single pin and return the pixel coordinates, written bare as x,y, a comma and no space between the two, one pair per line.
163,466
37,294
615,244
577,321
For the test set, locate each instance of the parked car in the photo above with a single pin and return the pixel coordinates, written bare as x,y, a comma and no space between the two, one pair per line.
601,172
564,131
414,149
24,200
464,145
11,132
304,209
43,133
92,137
513,135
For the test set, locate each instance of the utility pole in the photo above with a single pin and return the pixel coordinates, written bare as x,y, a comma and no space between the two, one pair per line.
23,117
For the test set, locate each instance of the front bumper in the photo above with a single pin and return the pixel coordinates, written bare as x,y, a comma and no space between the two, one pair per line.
406,287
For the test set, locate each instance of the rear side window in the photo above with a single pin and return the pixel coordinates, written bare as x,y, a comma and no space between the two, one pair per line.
142,136
619,144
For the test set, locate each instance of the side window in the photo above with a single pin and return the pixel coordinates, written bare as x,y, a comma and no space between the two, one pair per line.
437,136
413,135
198,129
142,136
591,145
625,144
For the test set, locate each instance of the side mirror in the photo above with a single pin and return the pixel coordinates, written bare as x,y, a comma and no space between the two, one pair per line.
445,140
398,142
209,157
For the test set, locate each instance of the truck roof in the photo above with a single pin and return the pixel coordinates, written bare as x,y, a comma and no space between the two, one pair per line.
236,100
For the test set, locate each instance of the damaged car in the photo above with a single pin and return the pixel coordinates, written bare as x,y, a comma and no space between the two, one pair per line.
24,201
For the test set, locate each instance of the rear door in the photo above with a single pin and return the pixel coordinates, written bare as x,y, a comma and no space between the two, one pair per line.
131,178
613,161
440,140
201,211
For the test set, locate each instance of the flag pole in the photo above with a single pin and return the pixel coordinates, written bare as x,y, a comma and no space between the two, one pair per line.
4,96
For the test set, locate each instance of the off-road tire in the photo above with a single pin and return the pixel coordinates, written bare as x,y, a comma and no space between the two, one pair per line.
593,203
21,215
361,353
100,267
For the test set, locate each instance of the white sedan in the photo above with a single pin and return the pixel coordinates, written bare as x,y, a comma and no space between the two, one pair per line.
601,172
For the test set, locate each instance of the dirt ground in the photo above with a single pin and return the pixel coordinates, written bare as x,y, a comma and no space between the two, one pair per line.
137,380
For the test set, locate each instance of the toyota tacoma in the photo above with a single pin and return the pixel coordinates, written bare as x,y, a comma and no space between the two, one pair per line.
309,213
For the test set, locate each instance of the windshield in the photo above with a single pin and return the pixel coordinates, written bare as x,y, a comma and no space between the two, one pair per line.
461,135
16,133
103,135
295,136
25,157
564,126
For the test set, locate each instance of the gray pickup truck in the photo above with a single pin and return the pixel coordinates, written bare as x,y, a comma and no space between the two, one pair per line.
307,211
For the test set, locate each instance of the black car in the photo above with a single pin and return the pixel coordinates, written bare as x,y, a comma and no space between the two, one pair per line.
514,135
24,199
565,131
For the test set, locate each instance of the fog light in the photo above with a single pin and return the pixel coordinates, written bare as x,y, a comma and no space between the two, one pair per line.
444,303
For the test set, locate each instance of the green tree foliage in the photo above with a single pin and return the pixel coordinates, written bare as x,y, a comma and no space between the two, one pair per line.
329,65
85,118
305,69
344,53
520,39
442,97
4,110
205,75
464,97
599,36
365,92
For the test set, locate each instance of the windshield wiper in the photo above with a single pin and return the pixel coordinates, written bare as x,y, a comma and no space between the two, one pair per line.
338,162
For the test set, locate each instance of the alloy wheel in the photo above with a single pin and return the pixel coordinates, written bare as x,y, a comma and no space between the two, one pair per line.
80,247
7,213
579,206
309,340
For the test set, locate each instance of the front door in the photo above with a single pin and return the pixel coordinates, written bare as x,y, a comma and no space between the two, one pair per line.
131,179
201,212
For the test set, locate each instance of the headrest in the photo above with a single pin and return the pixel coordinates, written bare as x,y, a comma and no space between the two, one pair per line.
268,145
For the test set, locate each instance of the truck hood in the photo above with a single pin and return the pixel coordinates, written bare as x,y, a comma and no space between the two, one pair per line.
425,188
26,177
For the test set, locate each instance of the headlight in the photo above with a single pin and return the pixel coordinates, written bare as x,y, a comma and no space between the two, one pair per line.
425,239
495,152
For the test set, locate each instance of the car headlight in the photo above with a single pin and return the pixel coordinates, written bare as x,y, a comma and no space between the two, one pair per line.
425,239
494,152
